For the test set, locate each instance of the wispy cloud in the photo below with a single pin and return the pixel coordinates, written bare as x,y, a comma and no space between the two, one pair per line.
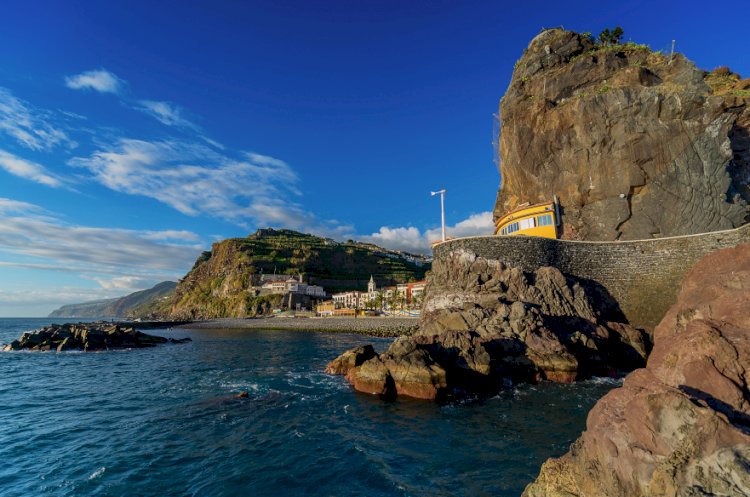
99,80
130,283
27,169
411,239
197,180
45,240
166,113
17,300
31,127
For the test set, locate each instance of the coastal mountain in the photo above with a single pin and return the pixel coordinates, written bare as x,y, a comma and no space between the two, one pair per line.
219,284
134,305
636,144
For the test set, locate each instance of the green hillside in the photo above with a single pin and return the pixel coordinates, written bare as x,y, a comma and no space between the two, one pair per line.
218,285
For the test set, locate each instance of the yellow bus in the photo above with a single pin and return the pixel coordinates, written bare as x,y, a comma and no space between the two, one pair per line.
530,220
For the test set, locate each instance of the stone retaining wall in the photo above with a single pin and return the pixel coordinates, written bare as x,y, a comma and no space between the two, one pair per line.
644,276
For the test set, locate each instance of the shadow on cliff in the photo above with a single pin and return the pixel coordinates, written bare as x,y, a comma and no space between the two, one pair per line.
738,418
739,167
603,301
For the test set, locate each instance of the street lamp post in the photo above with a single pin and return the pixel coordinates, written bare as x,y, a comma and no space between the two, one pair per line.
442,208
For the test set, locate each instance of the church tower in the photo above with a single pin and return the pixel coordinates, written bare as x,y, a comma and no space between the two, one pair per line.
371,285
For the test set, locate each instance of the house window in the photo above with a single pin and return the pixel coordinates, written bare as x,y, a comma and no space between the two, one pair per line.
545,220
528,223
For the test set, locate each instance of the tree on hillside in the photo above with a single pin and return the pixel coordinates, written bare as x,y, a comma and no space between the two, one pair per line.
616,35
613,37
604,37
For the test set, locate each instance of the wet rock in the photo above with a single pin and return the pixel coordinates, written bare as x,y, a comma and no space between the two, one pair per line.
485,324
350,359
88,337
680,426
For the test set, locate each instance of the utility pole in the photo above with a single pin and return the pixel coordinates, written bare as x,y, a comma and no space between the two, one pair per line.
442,208
671,54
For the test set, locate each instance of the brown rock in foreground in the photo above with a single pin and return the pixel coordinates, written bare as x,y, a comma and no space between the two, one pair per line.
486,325
87,337
681,426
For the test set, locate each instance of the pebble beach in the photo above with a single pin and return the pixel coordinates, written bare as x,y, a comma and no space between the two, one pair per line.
373,326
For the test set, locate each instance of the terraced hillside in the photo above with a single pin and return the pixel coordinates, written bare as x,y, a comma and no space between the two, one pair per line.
219,283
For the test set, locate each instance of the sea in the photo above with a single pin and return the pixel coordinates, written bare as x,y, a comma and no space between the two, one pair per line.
164,422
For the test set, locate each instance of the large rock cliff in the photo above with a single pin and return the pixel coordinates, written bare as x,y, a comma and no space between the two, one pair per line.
681,426
634,143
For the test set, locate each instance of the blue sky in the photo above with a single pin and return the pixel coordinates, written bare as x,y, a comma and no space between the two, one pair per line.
134,134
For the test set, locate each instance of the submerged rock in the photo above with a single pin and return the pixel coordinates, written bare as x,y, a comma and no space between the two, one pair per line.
680,426
88,337
486,325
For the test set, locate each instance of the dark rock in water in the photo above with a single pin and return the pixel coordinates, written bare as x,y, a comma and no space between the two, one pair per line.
89,337
485,324
680,426
351,359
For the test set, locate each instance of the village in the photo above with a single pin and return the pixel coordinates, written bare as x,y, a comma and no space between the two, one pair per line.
403,299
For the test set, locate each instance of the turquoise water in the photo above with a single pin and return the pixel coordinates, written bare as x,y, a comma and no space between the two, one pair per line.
159,422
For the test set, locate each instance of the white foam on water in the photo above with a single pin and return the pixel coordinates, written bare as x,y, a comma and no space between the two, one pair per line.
606,380
96,474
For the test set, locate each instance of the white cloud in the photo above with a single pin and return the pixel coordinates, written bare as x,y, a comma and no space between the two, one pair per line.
99,80
10,206
166,113
30,127
196,180
27,169
411,239
130,283
176,235
46,241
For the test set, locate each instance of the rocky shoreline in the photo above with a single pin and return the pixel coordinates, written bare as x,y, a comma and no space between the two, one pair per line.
86,337
681,425
384,327
486,325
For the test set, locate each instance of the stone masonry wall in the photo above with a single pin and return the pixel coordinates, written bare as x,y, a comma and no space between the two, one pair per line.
644,276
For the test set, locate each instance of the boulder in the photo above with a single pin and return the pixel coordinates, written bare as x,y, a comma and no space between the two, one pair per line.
681,426
350,359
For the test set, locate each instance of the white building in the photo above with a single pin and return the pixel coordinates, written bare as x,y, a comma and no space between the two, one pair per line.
350,300
291,285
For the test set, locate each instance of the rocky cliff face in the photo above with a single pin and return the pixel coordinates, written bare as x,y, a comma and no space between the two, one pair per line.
486,325
635,145
681,426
